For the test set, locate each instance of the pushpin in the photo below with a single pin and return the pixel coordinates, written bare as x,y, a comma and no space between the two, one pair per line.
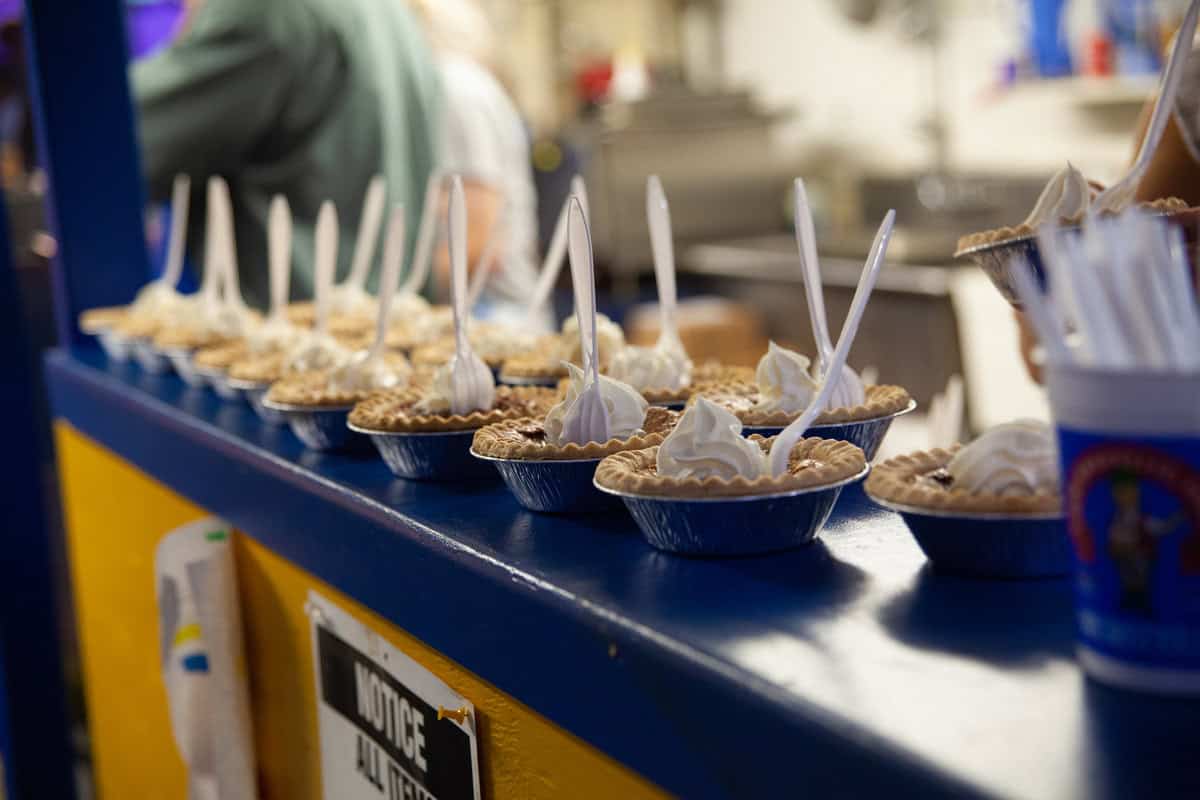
459,715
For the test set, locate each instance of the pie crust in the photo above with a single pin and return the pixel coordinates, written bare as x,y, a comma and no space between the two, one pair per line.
814,462
998,236
534,364
95,320
312,389
903,480
392,411
525,439
221,356
137,326
187,338
258,369
881,401
710,376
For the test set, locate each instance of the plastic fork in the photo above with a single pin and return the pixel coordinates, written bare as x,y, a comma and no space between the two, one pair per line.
556,252
368,233
588,409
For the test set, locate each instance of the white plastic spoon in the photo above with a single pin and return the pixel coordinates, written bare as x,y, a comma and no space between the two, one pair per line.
368,233
658,212
180,196
470,378
781,448
418,273
279,255
1121,193
806,243
214,272
325,258
589,405
556,252
232,289
1037,310
487,258
393,258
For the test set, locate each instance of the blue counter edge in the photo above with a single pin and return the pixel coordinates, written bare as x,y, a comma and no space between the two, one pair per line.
688,722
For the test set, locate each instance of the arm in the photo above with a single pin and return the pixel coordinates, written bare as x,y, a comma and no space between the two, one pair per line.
1175,169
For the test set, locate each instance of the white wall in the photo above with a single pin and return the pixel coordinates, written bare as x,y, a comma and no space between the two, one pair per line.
868,88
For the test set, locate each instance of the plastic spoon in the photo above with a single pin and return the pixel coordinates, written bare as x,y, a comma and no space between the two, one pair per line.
781,448
658,212
418,273
483,267
325,258
368,233
279,255
1037,309
557,251
469,376
214,273
1121,193
393,258
180,196
232,290
806,243
589,405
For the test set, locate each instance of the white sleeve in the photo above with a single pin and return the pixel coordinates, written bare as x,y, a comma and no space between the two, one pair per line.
470,146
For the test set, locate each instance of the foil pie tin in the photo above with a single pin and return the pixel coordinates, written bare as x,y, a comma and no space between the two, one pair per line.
990,545
734,526
255,392
115,346
218,379
181,360
554,486
149,357
865,434
319,427
432,456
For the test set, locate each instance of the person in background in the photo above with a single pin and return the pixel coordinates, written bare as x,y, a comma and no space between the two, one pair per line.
306,98
485,141
1174,171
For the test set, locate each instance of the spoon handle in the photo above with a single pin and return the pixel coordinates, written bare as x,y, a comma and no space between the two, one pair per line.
458,267
418,273
231,289
180,195
781,448
325,256
658,213
368,233
1168,89
279,248
210,284
393,258
806,242
583,281
557,251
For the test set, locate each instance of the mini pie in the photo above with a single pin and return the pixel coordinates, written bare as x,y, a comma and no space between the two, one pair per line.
525,439
315,388
395,411
710,376
881,401
997,236
221,356
266,368
921,480
137,326
813,463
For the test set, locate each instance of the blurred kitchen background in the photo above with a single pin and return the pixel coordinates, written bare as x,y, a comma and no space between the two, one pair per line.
953,112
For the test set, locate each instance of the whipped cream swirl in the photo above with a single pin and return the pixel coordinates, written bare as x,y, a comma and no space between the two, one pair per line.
783,381
158,300
707,442
652,367
609,339
1067,196
624,412
346,298
363,373
315,351
461,391
1016,458
273,335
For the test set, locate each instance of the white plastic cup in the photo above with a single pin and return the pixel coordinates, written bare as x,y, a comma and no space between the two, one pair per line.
1129,445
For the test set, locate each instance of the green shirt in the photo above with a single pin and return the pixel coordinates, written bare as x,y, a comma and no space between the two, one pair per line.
307,98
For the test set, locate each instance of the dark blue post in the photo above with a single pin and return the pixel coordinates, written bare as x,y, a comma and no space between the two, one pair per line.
86,138
39,757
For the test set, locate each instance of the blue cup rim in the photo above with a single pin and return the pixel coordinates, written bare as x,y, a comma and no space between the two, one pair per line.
942,513
741,499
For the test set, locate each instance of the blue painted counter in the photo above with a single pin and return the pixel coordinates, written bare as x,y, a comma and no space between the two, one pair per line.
845,668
